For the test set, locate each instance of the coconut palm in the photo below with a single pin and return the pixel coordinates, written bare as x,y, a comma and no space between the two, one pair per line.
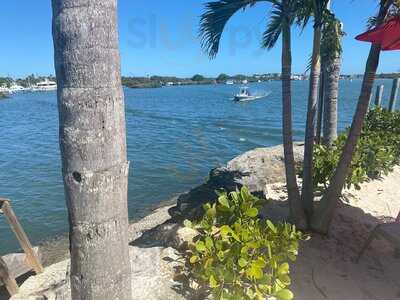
283,14
316,8
331,55
329,80
320,109
324,213
93,146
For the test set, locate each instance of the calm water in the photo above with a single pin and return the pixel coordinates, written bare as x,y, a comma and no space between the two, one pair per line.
175,136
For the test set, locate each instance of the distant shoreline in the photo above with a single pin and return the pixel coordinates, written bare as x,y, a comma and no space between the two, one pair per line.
157,81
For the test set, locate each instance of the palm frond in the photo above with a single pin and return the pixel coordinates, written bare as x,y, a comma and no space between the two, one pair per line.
394,11
309,63
371,22
283,13
274,27
214,20
311,8
304,11
320,9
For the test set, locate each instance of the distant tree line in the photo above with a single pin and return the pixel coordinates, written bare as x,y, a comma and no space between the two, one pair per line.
159,81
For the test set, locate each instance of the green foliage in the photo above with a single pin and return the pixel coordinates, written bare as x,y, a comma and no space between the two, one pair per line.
222,77
214,19
239,256
140,82
378,150
198,77
5,81
332,33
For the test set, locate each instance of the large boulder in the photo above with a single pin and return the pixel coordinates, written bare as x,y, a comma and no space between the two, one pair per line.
52,284
255,169
153,271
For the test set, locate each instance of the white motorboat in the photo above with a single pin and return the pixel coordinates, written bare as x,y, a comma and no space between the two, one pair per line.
46,85
246,95
16,88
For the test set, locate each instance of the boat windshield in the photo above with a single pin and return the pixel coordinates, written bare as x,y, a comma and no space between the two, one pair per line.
245,91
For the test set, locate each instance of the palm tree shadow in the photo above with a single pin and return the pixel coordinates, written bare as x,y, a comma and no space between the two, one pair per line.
160,236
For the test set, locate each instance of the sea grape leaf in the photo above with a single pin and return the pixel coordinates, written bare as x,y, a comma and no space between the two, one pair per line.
252,212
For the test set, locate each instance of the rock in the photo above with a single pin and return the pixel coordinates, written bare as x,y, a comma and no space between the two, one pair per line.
57,249
17,263
255,169
168,234
183,237
262,166
52,284
157,217
161,235
153,271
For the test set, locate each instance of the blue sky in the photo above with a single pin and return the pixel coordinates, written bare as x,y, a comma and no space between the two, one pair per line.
160,37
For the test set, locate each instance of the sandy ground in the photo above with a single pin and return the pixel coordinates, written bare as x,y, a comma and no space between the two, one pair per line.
326,267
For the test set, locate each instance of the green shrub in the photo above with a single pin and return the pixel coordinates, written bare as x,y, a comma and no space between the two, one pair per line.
239,256
378,150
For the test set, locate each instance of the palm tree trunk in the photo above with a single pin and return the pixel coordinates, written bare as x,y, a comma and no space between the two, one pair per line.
331,98
320,103
296,210
93,146
308,187
324,214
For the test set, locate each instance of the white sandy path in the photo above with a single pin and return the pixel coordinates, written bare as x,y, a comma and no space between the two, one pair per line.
325,268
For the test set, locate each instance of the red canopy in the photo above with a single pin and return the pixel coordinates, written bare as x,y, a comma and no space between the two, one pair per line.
387,35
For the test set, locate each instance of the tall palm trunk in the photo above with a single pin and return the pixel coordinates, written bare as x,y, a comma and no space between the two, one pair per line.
296,209
93,146
307,190
320,103
321,96
324,214
331,85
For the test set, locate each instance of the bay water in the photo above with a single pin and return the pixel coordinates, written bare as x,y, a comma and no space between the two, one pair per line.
175,136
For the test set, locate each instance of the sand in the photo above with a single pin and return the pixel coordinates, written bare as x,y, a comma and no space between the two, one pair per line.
326,267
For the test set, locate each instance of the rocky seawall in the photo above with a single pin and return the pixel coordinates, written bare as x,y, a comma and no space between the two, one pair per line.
255,169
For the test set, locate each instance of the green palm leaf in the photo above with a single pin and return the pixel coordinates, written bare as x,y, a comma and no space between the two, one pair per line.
274,27
311,8
213,21
284,11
